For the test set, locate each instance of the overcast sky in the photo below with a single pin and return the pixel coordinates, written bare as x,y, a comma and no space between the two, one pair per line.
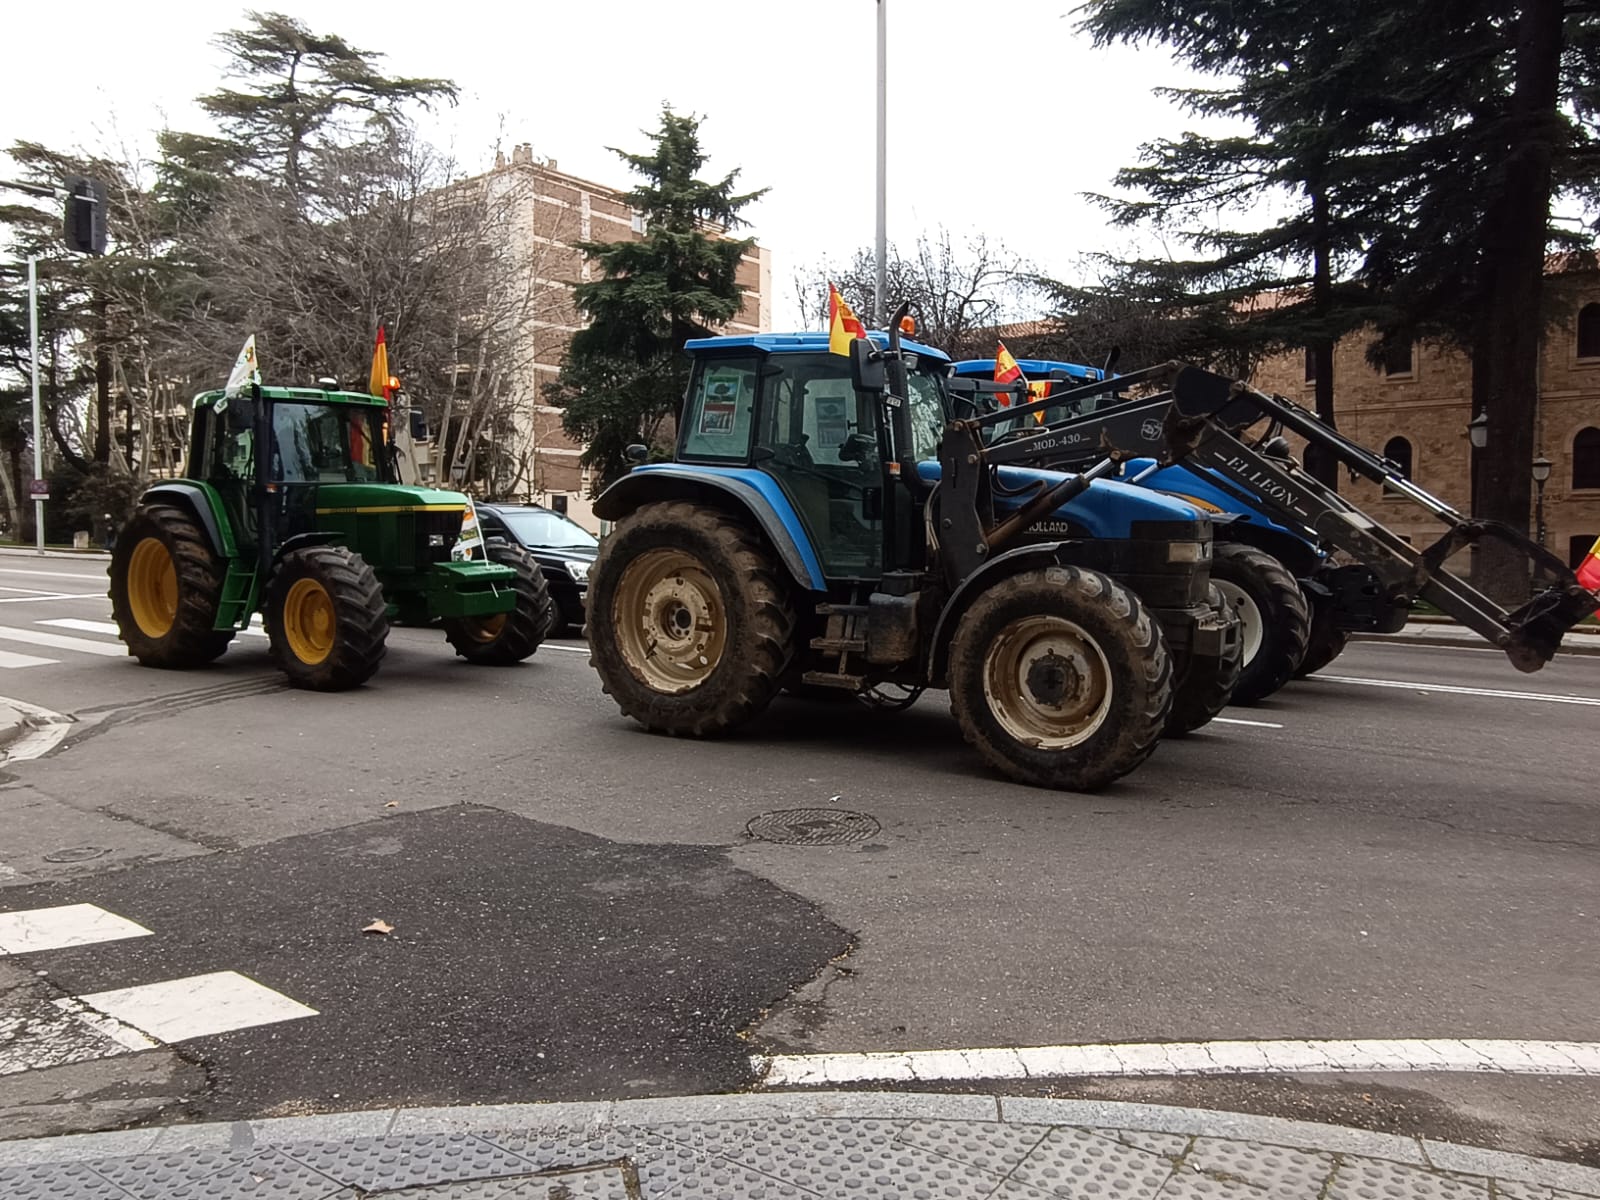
1000,113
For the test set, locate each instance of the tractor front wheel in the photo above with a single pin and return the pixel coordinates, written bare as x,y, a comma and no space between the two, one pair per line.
1275,620
326,618
166,585
502,639
1206,685
1060,678
690,622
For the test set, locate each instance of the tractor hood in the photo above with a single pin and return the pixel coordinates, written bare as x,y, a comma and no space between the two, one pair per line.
1106,509
385,498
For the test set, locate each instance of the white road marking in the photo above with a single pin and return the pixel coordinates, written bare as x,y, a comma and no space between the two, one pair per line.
1454,690
568,649
31,930
36,637
100,576
10,661
1188,1058
52,596
43,729
1242,721
176,1010
110,627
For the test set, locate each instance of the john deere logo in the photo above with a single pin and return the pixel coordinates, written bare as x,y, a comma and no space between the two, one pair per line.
1150,430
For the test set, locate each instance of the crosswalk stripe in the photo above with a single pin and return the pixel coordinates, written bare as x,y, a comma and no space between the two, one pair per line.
37,637
176,1010
98,578
10,661
110,627
31,930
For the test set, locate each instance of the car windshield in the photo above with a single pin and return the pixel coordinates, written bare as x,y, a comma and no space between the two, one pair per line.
549,529
327,443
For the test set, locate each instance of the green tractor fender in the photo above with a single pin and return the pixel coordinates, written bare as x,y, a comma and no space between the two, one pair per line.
204,504
1023,558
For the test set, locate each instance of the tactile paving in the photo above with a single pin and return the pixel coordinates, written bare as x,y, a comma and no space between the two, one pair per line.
255,1173
1168,1145
1372,1179
989,1145
372,1164
57,1181
1076,1162
863,1157
600,1183
1279,1169
1191,1185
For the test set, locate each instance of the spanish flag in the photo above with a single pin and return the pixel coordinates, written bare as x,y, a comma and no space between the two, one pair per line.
1589,570
378,380
1005,370
844,326
1039,390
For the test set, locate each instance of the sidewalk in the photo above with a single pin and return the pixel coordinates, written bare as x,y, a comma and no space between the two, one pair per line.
777,1145
1583,640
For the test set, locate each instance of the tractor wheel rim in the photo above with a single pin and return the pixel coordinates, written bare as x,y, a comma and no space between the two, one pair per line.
486,629
1047,682
1251,626
153,587
670,621
309,621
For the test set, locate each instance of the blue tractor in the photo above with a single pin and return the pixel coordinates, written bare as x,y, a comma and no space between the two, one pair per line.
1263,569
829,524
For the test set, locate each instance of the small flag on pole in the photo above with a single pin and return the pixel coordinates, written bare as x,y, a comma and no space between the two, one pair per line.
378,380
844,326
1589,570
245,371
1006,370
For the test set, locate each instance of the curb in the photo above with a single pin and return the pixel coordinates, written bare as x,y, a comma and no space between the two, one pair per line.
237,1136
52,552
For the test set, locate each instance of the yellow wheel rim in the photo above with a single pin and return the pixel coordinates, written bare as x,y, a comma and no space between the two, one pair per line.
153,588
486,629
308,621
1047,682
670,621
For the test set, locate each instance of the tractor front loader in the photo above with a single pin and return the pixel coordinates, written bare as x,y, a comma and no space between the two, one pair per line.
289,509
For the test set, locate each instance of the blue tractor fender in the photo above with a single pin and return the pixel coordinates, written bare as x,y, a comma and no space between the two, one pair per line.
742,489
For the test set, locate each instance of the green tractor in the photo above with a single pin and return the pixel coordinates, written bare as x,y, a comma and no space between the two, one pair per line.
290,508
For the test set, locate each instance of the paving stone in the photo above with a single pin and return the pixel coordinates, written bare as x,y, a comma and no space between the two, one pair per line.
1168,1145
1372,1179
57,1181
1077,1162
545,1149
259,1175
1190,1185
602,1183
1279,1169
707,1138
1532,1191
989,1145
865,1157
393,1163
721,1179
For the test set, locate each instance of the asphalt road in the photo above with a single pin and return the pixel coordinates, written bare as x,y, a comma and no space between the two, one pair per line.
1380,853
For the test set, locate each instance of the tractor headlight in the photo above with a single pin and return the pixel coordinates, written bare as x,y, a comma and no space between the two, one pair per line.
1188,552
578,568
436,539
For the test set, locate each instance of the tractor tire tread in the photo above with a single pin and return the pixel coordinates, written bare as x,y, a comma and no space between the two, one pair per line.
360,613
1286,619
192,641
1206,685
527,625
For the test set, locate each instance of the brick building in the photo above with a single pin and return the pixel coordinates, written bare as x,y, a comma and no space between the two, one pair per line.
1415,410
544,212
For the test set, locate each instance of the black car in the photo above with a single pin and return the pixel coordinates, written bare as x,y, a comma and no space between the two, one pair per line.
564,549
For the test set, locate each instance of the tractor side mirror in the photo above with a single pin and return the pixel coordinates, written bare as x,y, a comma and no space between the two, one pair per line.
636,453
867,369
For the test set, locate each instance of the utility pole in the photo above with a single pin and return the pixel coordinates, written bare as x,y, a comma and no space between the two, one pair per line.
879,286
38,441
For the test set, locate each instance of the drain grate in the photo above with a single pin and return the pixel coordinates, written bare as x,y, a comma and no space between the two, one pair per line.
812,826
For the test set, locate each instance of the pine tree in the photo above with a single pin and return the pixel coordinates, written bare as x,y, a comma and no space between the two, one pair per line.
625,373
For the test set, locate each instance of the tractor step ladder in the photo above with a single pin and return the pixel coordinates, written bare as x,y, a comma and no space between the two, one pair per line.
839,640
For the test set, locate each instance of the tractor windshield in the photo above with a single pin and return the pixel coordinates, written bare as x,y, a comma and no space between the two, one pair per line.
327,443
927,413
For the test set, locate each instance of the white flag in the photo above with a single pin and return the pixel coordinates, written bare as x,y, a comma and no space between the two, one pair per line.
245,369
471,539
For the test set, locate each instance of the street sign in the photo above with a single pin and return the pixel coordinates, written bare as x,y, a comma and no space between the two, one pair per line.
39,489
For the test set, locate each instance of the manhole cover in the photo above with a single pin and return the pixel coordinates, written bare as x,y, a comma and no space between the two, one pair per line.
76,854
812,826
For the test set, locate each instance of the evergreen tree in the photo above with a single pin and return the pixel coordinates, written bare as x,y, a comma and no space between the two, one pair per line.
625,372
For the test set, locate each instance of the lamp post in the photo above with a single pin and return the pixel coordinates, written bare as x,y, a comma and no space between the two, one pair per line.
1541,476
1478,435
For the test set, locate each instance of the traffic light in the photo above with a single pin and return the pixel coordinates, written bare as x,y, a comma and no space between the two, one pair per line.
85,220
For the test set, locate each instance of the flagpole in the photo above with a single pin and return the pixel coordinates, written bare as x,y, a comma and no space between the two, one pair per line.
881,282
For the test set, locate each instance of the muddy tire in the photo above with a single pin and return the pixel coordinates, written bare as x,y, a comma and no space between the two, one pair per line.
509,637
1060,678
166,585
1327,643
1205,687
326,618
690,621
1275,619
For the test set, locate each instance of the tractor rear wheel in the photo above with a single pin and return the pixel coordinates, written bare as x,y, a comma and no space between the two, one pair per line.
166,585
326,618
691,626
509,637
1327,643
1060,678
1275,620
1206,685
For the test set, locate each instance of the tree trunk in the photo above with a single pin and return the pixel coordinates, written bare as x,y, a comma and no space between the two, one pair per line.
1322,466
1516,225
102,382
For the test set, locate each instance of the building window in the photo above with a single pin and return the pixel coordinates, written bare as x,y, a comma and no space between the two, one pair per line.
1311,365
1397,359
1586,458
1589,331
639,223
1398,451
1578,547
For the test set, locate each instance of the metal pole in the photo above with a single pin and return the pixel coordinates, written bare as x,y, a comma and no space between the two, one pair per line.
881,282
38,442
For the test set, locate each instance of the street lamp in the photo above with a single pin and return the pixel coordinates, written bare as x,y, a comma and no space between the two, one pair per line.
1541,476
1478,430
